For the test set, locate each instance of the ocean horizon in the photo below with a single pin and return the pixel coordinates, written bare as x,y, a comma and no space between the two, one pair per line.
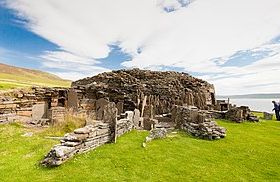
262,105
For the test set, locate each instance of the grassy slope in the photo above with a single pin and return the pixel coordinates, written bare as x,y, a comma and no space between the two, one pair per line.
14,77
250,152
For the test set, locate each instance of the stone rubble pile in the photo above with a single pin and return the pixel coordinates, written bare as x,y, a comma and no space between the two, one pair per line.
267,116
157,133
206,130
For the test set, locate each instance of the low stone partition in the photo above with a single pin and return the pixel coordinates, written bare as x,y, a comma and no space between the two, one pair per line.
240,114
123,126
56,114
92,136
7,118
80,141
197,123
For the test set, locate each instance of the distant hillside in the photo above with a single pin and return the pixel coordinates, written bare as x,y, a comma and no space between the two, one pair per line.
14,77
251,96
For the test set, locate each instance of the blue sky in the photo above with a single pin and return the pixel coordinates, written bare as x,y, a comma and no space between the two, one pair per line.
207,39
21,47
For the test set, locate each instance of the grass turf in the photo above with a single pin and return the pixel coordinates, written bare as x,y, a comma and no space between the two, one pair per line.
250,152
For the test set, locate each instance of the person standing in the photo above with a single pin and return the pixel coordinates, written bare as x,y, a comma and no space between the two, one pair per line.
276,109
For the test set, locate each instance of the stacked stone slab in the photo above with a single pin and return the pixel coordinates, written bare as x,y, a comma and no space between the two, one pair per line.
81,140
126,124
197,123
56,114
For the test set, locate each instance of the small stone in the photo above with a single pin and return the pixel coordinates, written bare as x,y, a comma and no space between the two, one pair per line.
148,139
27,134
144,145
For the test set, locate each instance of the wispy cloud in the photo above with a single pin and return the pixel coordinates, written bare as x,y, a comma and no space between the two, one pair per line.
191,37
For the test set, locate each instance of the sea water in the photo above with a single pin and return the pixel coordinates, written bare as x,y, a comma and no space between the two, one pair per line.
263,105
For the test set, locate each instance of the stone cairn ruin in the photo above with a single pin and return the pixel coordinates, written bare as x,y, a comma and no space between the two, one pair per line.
116,102
197,122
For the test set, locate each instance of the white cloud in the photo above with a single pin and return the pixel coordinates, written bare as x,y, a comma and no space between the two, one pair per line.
75,75
189,37
59,56
74,67
260,77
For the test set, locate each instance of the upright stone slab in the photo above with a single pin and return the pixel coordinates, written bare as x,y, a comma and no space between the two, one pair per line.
149,123
136,118
120,107
110,113
129,115
72,99
100,104
39,111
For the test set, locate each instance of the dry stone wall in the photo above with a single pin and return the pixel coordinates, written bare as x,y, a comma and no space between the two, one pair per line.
92,136
32,105
80,141
197,123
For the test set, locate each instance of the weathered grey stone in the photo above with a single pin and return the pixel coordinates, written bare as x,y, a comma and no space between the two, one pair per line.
129,115
71,144
100,104
120,107
110,113
84,130
102,131
156,134
61,151
75,137
136,118
267,116
240,114
72,99
27,134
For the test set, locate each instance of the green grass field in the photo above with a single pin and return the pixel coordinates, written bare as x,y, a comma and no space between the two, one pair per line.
250,152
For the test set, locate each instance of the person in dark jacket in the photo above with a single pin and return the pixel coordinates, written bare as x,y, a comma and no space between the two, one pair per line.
276,109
